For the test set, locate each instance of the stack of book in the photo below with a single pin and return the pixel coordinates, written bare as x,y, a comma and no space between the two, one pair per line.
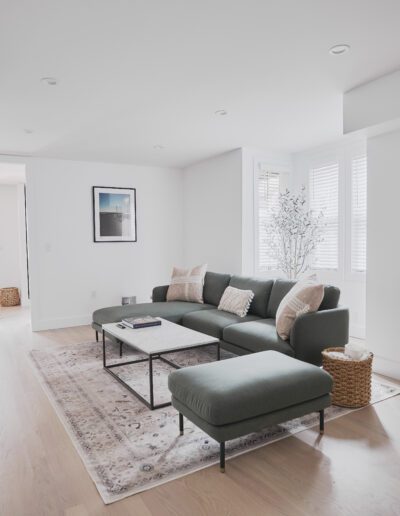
141,322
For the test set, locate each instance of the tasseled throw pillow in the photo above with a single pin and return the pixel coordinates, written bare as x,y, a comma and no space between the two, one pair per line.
236,301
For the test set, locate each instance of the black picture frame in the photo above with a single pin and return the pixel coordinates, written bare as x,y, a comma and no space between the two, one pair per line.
96,214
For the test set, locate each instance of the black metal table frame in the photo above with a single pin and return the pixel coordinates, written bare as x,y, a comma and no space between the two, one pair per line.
149,359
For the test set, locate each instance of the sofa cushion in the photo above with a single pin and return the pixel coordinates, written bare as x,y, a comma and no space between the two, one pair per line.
257,336
281,287
262,291
213,322
214,286
173,311
331,298
245,387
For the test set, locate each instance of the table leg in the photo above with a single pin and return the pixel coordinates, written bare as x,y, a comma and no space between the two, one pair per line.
219,351
222,457
321,422
104,349
151,381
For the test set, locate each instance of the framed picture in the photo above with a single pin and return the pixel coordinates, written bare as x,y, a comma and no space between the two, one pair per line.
114,214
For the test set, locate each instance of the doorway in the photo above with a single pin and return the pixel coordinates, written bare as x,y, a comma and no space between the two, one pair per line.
14,264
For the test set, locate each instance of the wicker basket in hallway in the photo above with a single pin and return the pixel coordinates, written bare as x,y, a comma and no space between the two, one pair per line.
9,296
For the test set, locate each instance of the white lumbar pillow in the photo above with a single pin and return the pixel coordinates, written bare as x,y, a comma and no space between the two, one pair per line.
236,301
187,284
305,296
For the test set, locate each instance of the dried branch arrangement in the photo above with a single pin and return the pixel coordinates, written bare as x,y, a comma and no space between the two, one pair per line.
295,231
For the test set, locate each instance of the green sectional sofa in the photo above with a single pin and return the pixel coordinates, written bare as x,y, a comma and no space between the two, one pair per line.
256,332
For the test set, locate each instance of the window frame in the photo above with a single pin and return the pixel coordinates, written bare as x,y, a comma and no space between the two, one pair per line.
284,183
327,163
350,153
343,155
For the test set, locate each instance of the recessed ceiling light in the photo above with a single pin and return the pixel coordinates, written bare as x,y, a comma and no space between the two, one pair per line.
50,81
28,131
221,112
158,147
338,50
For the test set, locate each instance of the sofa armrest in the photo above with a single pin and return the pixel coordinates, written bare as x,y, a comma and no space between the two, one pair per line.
314,332
159,293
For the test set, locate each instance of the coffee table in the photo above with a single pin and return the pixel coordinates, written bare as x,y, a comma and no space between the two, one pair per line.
154,342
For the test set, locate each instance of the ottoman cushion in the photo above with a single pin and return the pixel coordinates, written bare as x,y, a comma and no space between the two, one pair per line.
248,386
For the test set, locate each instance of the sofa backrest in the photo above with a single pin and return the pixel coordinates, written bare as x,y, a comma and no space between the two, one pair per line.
214,286
262,291
281,287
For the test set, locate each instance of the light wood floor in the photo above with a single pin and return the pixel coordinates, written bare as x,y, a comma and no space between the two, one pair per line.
353,470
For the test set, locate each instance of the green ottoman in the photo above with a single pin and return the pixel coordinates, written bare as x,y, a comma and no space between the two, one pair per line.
241,395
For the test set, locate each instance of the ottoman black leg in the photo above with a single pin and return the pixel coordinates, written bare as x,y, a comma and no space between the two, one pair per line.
97,336
222,457
120,348
321,422
180,423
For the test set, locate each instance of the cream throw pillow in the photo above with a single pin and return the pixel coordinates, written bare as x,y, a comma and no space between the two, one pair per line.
187,284
305,296
236,301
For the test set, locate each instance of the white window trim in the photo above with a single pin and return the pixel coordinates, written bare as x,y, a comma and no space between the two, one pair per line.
350,153
284,183
327,164
343,156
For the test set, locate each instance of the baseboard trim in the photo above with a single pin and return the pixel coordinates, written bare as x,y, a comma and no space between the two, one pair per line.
61,322
357,331
386,366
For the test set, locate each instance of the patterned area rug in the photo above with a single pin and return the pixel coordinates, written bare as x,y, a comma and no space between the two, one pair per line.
126,447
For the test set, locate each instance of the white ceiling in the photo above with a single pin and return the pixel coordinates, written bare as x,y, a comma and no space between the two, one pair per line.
137,73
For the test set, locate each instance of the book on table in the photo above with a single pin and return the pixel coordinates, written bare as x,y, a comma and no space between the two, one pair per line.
141,322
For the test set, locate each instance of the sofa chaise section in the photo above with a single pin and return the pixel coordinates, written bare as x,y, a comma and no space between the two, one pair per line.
172,311
214,286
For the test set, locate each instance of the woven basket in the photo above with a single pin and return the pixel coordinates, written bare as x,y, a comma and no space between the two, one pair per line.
351,379
9,297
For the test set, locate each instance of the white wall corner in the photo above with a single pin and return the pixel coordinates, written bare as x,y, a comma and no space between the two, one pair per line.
373,106
386,366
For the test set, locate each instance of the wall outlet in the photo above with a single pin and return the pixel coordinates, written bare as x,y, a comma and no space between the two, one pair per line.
93,294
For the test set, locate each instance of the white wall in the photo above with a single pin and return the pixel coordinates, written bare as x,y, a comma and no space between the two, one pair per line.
213,213
383,275
9,237
373,104
70,274
352,285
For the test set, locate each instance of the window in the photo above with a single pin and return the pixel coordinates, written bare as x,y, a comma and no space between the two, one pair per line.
359,214
324,197
268,199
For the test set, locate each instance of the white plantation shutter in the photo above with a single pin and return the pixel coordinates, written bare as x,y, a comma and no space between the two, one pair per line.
359,214
268,199
324,197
